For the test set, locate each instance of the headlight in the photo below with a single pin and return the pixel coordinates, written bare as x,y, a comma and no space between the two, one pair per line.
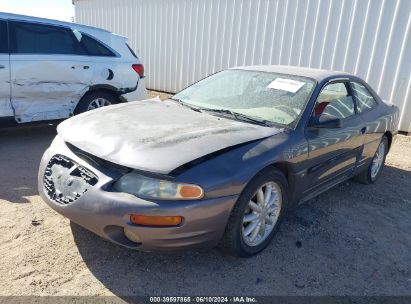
152,188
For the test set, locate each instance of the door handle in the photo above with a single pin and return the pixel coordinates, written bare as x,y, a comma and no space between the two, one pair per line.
363,130
85,67
2,67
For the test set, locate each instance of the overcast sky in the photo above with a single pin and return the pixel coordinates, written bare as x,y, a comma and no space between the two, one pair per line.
52,9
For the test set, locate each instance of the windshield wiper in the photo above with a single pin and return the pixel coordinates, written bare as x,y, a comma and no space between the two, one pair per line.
236,115
186,104
240,116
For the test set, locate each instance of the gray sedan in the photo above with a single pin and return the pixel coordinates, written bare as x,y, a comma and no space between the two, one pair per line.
218,163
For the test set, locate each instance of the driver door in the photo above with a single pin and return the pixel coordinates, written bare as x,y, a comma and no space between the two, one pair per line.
333,151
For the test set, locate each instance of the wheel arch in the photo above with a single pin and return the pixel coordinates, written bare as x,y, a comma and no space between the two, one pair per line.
101,88
284,168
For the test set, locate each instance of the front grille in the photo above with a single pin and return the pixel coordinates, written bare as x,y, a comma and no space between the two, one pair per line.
65,180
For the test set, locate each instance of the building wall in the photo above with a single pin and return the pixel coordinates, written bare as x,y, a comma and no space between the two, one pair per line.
182,41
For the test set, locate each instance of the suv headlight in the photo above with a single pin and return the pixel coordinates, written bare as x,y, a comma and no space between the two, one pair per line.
152,188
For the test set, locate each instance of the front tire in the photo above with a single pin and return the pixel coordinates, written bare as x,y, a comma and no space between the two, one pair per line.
257,214
373,171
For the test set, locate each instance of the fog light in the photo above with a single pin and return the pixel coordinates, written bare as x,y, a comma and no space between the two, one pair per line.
131,235
161,221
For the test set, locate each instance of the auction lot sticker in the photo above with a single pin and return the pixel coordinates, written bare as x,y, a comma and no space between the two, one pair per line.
288,85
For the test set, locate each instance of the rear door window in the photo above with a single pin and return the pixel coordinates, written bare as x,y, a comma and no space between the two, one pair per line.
4,40
365,101
34,38
91,46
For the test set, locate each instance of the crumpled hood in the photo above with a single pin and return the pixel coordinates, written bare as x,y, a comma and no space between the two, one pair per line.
156,136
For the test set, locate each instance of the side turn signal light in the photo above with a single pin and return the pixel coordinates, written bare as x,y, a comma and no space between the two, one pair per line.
150,220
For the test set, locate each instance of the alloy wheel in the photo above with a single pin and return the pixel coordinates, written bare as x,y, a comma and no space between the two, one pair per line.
378,160
98,103
261,214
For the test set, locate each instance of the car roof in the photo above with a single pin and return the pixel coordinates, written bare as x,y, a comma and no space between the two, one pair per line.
49,21
316,74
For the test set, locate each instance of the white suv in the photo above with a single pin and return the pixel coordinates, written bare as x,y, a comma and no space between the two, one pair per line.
52,70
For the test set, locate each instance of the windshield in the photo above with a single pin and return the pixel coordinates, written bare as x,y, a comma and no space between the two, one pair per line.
270,97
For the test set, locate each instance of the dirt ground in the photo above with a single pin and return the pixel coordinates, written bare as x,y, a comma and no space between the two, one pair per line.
162,95
351,240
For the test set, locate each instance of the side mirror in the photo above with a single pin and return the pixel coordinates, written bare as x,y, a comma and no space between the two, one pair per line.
326,121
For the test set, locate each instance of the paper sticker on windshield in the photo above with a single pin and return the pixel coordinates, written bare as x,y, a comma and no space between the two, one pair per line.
288,85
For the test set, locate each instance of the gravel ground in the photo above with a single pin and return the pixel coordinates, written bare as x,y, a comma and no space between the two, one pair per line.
351,240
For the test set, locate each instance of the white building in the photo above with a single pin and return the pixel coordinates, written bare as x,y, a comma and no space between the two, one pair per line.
181,41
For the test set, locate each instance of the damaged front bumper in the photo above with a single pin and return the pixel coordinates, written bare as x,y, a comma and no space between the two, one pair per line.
95,206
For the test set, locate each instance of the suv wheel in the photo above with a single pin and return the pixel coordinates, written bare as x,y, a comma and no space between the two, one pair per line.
257,214
95,100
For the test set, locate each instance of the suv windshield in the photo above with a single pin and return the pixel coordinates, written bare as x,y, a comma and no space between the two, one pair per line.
267,97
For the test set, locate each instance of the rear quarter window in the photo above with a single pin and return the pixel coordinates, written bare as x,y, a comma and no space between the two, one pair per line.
131,51
91,46
365,101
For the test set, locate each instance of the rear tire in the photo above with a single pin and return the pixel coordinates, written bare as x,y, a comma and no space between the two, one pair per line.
373,171
237,239
94,100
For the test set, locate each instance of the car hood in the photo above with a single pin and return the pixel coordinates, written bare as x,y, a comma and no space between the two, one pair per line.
154,135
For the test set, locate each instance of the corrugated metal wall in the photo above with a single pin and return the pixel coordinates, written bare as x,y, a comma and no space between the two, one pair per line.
181,41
